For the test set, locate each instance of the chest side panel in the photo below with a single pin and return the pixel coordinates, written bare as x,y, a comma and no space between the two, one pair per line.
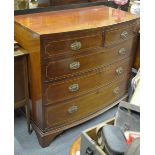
31,42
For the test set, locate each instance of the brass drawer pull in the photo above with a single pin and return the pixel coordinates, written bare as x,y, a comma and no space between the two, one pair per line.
74,65
124,35
119,71
116,90
74,87
76,45
72,109
122,51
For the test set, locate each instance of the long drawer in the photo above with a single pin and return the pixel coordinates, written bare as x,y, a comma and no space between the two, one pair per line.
60,91
76,65
71,111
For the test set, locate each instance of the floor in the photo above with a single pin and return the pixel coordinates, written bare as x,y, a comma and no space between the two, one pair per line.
26,144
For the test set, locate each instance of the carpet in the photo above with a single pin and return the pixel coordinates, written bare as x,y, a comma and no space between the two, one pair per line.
25,144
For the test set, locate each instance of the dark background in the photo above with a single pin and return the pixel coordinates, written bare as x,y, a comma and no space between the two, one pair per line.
69,6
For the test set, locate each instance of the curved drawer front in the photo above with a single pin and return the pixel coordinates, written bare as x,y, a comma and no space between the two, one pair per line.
71,88
118,34
71,111
72,44
77,65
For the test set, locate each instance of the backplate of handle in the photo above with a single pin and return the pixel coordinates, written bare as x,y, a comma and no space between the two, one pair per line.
73,87
76,45
72,109
119,70
74,65
116,90
122,51
124,35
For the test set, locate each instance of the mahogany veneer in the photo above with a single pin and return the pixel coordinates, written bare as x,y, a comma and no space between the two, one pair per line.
79,64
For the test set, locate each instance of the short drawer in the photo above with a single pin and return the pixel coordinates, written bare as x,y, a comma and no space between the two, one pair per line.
74,110
117,34
72,44
73,66
63,90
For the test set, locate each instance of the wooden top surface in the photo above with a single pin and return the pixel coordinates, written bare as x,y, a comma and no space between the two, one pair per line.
73,19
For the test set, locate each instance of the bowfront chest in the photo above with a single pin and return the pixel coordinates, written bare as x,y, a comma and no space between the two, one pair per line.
79,64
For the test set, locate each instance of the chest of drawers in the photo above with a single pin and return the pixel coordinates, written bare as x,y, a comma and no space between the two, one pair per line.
79,64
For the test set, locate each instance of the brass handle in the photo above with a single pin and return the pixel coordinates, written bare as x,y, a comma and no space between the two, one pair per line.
122,51
119,70
72,109
74,65
76,45
124,34
116,90
73,87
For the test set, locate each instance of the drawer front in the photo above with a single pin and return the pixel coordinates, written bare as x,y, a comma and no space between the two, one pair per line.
72,88
73,66
71,111
72,43
118,34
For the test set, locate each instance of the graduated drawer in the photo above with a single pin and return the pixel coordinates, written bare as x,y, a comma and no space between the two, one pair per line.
73,110
71,43
120,33
60,91
72,66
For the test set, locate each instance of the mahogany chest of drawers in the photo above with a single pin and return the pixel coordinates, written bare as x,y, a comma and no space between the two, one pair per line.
79,64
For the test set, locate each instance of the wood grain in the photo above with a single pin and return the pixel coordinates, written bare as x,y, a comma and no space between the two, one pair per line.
59,45
21,94
86,105
72,19
102,77
31,42
94,58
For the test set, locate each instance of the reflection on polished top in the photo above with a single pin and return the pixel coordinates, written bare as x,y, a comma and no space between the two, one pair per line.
73,19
